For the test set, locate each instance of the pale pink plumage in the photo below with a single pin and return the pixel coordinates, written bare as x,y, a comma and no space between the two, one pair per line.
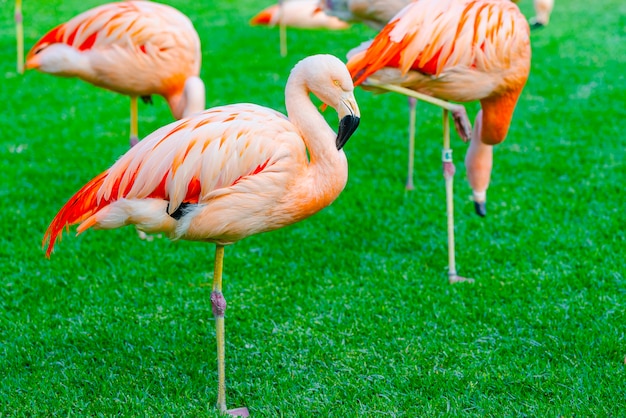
136,48
243,169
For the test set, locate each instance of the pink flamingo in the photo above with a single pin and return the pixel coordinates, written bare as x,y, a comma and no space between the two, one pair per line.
304,14
227,173
458,50
136,48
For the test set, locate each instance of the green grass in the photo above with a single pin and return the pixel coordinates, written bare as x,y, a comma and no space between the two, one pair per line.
347,313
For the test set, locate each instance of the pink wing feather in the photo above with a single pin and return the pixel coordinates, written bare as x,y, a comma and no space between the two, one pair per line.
185,161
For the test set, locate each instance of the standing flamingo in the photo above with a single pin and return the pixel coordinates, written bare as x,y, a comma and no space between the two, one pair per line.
136,48
304,14
228,173
460,50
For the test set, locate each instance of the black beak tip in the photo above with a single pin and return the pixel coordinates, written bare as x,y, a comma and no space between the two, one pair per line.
347,126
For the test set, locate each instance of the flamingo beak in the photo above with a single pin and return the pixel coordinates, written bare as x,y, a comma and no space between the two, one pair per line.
350,117
347,126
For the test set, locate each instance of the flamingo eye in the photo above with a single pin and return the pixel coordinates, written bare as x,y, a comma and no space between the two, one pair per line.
336,83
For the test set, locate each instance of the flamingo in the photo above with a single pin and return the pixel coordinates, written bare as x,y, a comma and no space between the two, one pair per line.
136,48
458,50
227,173
304,14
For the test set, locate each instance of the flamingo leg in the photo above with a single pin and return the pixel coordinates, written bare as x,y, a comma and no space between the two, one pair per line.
463,127
218,304
409,177
19,35
448,174
479,162
134,131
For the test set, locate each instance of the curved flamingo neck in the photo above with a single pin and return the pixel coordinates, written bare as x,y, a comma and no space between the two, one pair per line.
497,114
188,101
327,171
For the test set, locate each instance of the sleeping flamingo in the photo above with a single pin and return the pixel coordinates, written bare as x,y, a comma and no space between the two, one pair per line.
304,14
136,48
228,173
458,50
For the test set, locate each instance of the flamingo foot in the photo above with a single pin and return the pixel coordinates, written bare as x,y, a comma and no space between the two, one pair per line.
238,412
133,140
462,123
409,184
536,25
453,278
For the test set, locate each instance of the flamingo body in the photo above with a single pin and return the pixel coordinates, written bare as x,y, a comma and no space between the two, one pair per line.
136,48
303,14
458,50
223,174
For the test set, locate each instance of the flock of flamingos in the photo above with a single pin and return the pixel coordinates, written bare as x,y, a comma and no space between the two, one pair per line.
225,173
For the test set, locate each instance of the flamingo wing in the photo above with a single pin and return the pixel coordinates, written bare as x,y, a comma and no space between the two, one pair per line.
434,36
216,152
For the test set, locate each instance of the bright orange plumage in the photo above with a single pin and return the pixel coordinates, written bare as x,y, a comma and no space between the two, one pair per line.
465,49
457,50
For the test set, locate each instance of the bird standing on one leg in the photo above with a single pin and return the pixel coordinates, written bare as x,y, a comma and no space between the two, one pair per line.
228,173
136,48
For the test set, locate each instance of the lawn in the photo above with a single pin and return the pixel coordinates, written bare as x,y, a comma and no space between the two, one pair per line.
348,313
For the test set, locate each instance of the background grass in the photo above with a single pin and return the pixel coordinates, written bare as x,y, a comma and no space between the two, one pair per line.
347,313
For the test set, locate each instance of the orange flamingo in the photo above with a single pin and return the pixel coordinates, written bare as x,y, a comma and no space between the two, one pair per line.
304,14
228,173
458,50
136,48
374,13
